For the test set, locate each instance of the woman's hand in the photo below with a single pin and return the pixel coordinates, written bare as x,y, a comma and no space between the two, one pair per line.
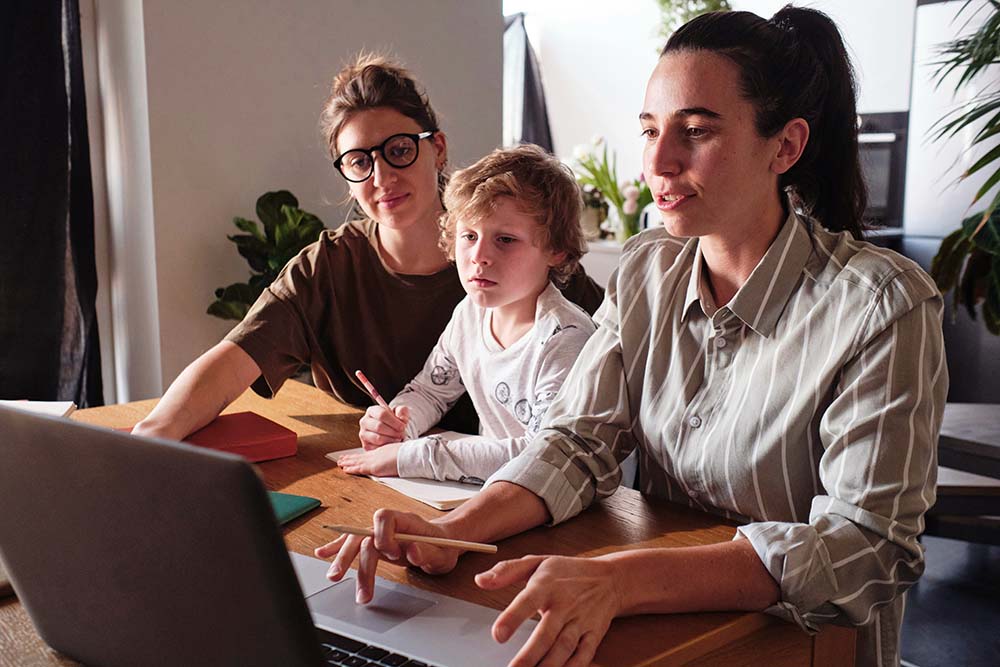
380,462
380,427
576,597
430,559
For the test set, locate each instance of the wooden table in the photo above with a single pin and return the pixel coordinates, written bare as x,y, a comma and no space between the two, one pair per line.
970,438
625,520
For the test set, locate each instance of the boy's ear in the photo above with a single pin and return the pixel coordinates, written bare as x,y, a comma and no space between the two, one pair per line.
557,258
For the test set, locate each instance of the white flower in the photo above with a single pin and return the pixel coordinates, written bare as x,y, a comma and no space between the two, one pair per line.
597,140
630,192
580,152
630,207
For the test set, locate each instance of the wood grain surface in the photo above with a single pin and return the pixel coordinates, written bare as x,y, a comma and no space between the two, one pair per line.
624,521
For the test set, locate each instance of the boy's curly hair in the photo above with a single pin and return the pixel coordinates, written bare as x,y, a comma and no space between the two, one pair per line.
542,188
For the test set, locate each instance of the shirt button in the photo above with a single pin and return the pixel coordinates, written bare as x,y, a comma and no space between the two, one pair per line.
694,422
720,342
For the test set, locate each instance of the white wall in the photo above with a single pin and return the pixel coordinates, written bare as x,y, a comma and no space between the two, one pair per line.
234,92
936,199
879,37
596,56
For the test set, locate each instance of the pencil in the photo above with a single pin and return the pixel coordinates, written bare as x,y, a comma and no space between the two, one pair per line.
377,397
403,537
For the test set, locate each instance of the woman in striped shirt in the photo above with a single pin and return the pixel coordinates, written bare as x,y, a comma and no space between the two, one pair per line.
767,364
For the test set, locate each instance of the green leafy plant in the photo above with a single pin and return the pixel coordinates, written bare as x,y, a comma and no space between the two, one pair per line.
287,229
968,260
594,170
675,13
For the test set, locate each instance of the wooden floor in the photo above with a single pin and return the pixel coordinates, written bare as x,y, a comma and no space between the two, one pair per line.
953,613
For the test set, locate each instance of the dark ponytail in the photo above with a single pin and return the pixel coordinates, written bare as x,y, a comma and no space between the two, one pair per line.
796,66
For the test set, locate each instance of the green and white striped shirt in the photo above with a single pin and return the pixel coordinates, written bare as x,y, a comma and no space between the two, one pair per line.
808,409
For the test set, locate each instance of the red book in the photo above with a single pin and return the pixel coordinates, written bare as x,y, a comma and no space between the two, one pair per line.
248,434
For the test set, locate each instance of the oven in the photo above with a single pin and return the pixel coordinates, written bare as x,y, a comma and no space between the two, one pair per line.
882,147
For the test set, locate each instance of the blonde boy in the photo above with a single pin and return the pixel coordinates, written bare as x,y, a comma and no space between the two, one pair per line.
512,228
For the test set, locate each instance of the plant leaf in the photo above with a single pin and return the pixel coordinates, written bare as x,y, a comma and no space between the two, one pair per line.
269,209
292,215
990,156
991,306
947,263
953,126
990,182
253,250
248,226
974,281
233,301
227,310
985,235
287,229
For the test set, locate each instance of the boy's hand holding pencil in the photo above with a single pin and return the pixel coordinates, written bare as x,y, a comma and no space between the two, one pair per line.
381,425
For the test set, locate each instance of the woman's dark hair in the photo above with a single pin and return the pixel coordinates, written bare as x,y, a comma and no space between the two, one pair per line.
369,82
795,66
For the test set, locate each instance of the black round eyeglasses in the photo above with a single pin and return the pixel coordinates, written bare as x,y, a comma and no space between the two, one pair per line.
399,150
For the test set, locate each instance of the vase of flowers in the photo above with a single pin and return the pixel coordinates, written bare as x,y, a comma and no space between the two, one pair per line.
595,212
625,199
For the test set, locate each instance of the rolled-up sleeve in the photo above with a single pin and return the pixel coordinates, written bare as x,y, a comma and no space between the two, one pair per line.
859,550
586,431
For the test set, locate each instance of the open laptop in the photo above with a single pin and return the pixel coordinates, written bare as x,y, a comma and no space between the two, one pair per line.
131,551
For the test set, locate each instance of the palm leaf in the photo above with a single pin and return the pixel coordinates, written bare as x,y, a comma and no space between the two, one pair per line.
991,128
969,258
952,127
990,156
990,182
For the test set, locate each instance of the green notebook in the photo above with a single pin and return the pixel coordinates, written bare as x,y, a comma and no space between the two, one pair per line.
287,506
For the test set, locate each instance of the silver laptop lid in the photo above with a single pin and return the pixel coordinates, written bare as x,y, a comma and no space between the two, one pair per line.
128,551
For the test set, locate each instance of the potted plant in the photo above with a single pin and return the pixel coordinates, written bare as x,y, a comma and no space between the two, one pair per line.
968,260
287,229
626,199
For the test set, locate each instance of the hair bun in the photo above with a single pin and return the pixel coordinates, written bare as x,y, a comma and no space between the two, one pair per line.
370,81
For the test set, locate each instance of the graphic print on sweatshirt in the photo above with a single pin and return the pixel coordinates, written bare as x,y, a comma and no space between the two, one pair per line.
559,329
441,375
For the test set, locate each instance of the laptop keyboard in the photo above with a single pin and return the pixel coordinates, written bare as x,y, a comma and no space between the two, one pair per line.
344,651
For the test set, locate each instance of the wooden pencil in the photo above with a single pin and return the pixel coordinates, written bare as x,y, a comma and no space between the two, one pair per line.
403,537
372,391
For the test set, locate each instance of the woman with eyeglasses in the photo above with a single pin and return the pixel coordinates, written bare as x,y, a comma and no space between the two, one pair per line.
767,364
374,294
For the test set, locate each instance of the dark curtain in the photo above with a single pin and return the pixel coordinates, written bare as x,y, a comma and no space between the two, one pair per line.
48,279
535,123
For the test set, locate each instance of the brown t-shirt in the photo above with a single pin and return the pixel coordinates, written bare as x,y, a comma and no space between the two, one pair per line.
338,308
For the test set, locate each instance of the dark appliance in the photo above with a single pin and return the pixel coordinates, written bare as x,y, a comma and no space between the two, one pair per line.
882,145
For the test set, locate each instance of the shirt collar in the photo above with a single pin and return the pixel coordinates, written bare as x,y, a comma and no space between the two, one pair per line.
697,290
763,297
